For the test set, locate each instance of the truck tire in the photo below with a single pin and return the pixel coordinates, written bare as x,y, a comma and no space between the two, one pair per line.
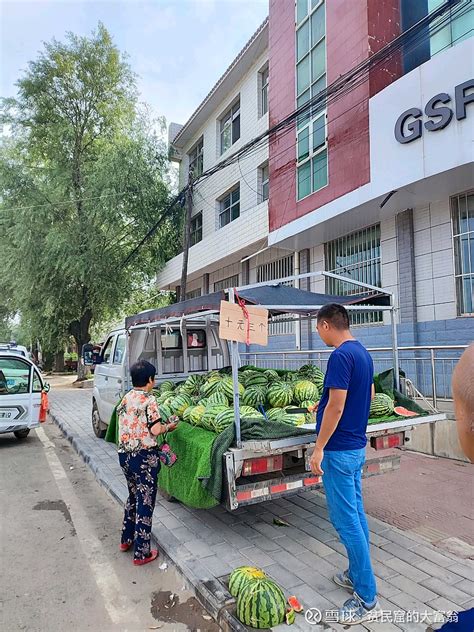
22,434
98,425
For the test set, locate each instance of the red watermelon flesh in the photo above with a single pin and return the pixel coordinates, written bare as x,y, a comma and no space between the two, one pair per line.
404,412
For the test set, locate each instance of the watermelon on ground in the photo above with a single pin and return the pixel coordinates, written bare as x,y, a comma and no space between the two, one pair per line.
241,576
261,604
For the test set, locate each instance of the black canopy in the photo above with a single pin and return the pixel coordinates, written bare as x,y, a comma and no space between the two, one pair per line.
301,302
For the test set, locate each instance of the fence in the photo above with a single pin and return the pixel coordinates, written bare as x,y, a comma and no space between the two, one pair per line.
429,368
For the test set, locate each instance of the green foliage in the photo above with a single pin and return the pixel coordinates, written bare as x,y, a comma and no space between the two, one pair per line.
83,177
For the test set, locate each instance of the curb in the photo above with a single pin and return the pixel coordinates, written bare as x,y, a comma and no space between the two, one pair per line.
209,591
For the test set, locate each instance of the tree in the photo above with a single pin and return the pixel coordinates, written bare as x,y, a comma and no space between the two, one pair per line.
83,177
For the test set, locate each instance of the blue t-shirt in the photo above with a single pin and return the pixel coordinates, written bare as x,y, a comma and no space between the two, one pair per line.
350,368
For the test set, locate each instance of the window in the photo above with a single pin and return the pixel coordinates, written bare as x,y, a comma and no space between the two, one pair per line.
14,380
356,256
312,155
196,229
37,383
193,293
107,350
458,25
119,350
223,284
196,158
279,269
263,182
263,77
462,209
230,127
229,207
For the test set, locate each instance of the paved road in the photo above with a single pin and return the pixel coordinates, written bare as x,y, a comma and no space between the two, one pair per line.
412,575
61,567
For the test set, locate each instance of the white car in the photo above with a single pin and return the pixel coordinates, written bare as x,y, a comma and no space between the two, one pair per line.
21,386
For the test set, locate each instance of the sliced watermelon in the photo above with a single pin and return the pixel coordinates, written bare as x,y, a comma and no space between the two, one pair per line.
295,604
290,616
404,412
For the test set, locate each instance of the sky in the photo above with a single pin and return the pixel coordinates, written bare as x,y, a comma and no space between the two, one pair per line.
178,48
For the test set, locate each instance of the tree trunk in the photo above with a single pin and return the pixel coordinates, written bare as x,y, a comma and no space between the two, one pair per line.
79,330
59,361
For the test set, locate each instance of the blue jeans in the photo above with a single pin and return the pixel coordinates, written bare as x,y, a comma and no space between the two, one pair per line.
342,484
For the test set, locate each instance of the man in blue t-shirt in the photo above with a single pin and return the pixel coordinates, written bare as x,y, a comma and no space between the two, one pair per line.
339,454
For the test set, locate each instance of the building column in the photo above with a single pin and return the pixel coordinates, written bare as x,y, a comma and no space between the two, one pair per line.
205,283
406,274
305,284
245,272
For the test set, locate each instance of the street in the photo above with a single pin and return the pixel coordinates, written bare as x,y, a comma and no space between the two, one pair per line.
60,535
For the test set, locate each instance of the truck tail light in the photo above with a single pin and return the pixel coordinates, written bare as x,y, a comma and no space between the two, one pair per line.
388,441
262,465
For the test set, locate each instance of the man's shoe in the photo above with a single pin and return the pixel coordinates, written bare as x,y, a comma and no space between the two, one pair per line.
343,580
153,555
355,611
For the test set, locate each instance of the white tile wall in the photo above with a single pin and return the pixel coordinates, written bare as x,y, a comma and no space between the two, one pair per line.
434,273
389,257
252,226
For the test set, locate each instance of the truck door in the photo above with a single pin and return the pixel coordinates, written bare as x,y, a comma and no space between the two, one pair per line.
117,373
102,374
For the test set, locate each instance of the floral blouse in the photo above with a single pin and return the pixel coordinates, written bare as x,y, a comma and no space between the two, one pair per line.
135,409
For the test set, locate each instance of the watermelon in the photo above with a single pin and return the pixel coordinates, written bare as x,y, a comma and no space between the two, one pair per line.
271,375
261,604
304,390
313,373
194,414
250,413
254,396
179,404
280,394
210,386
295,604
167,386
210,414
290,616
308,404
381,406
226,387
223,420
253,378
294,420
241,576
404,412
218,398
275,414
165,411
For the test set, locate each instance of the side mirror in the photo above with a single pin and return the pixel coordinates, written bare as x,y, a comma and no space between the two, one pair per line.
46,387
89,356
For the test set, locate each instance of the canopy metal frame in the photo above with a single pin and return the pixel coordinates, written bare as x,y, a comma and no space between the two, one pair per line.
290,309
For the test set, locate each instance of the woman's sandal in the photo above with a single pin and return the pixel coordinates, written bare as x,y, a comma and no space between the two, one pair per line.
124,546
153,555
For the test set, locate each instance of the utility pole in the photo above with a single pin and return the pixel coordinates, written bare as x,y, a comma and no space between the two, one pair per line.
186,236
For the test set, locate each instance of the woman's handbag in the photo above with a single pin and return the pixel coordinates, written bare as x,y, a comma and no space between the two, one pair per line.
165,453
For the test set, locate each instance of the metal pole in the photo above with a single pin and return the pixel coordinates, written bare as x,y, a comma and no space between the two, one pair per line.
433,378
297,285
234,350
395,346
186,236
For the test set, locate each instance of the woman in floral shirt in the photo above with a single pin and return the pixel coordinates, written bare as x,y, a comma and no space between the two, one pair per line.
139,424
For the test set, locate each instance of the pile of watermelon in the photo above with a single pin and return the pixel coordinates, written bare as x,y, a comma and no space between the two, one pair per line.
260,601
207,400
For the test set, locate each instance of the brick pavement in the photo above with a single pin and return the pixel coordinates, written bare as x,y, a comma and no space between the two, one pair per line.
207,544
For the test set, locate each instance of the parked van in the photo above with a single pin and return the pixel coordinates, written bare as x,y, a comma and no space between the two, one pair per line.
21,388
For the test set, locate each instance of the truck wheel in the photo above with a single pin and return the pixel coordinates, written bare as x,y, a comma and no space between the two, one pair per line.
22,434
98,426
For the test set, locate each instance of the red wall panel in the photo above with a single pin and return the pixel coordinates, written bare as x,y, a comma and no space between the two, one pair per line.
350,27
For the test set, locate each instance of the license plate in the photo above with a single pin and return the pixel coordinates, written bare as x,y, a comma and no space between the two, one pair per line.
7,414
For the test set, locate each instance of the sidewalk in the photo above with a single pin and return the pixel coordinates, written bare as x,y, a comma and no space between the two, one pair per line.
206,545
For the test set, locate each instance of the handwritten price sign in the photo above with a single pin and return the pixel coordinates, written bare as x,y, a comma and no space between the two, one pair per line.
234,324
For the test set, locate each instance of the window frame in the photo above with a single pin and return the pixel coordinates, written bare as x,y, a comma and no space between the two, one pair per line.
458,236
28,368
230,120
196,158
195,230
118,338
263,182
226,282
350,244
263,83
110,340
223,208
306,122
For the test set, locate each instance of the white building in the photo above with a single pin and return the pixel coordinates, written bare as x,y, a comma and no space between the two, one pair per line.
230,208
